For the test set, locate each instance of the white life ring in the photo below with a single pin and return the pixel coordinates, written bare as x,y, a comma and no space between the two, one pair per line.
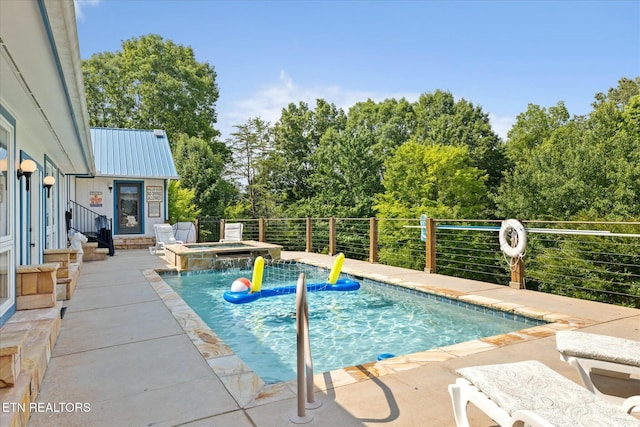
521,238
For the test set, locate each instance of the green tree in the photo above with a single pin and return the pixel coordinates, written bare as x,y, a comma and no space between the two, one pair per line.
250,144
442,120
290,166
201,166
436,180
152,83
346,175
181,206
533,127
584,166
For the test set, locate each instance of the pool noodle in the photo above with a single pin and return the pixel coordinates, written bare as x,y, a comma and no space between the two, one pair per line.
337,267
258,270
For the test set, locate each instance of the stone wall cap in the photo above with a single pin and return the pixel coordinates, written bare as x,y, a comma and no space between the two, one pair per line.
37,268
59,251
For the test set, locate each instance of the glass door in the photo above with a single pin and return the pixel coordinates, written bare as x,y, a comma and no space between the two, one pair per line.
128,207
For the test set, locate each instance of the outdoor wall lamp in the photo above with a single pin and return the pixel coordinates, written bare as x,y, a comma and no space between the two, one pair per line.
48,183
27,167
110,187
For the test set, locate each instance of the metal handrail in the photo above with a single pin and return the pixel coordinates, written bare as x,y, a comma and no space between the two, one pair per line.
89,223
304,358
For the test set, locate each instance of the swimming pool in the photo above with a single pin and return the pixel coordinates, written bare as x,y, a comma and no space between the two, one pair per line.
346,328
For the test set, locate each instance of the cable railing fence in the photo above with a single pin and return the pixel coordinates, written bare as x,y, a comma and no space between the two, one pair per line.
352,237
597,261
470,249
590,260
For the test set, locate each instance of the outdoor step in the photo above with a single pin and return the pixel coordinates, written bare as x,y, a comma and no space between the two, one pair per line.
93,253
41,328
66,287
10,356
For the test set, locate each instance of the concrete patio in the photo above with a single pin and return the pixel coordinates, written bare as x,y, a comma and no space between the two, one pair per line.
124,351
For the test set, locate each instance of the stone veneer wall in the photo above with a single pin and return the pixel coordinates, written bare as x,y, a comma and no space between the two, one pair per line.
138,242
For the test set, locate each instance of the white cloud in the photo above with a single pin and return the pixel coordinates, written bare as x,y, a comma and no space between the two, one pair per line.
268,102
81,4
501,124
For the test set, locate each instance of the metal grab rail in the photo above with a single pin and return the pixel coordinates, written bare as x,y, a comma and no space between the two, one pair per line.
304,359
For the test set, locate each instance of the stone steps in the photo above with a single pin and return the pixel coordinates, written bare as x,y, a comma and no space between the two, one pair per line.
28,335
93,253
68,270
65,287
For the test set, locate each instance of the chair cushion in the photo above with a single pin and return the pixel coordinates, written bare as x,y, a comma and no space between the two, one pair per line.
531,385
599,347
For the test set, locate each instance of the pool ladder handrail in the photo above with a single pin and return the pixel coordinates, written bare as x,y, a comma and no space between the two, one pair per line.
304,358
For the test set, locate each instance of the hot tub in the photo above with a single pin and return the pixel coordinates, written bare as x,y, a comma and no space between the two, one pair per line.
219,255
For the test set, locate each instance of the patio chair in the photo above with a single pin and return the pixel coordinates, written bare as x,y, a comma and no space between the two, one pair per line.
608,366
164,236
185,231
232,232
531,393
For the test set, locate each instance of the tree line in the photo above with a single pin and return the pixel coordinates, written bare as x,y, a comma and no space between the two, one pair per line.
394,158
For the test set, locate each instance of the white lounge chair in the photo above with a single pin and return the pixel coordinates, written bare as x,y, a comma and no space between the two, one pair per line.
608,366
164,236
530,393
185,231
232,232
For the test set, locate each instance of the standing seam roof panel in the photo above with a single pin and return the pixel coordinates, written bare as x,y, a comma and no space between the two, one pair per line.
132,153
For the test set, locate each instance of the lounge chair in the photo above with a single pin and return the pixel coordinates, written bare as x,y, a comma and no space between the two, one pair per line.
530,393
185,231
608,366
232,232
164,236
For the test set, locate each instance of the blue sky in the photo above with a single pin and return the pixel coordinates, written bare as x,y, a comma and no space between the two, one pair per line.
501,55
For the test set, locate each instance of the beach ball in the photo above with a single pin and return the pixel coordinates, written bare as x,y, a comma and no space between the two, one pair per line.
240,285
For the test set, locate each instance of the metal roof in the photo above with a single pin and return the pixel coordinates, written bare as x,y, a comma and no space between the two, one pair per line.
132,153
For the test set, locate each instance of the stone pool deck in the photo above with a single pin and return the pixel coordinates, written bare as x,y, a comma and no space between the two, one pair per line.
132,351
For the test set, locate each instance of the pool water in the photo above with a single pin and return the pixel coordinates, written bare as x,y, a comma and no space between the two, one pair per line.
346,328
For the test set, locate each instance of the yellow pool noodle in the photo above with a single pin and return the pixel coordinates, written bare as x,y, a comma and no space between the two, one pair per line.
337,267
258,269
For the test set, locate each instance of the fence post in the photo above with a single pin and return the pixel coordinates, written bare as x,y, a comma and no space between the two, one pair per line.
430,246
517,273
222,222
309,236
261,230
332,236
197,221
373,240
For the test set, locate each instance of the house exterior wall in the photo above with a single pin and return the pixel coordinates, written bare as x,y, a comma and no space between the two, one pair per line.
94,193
43,110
